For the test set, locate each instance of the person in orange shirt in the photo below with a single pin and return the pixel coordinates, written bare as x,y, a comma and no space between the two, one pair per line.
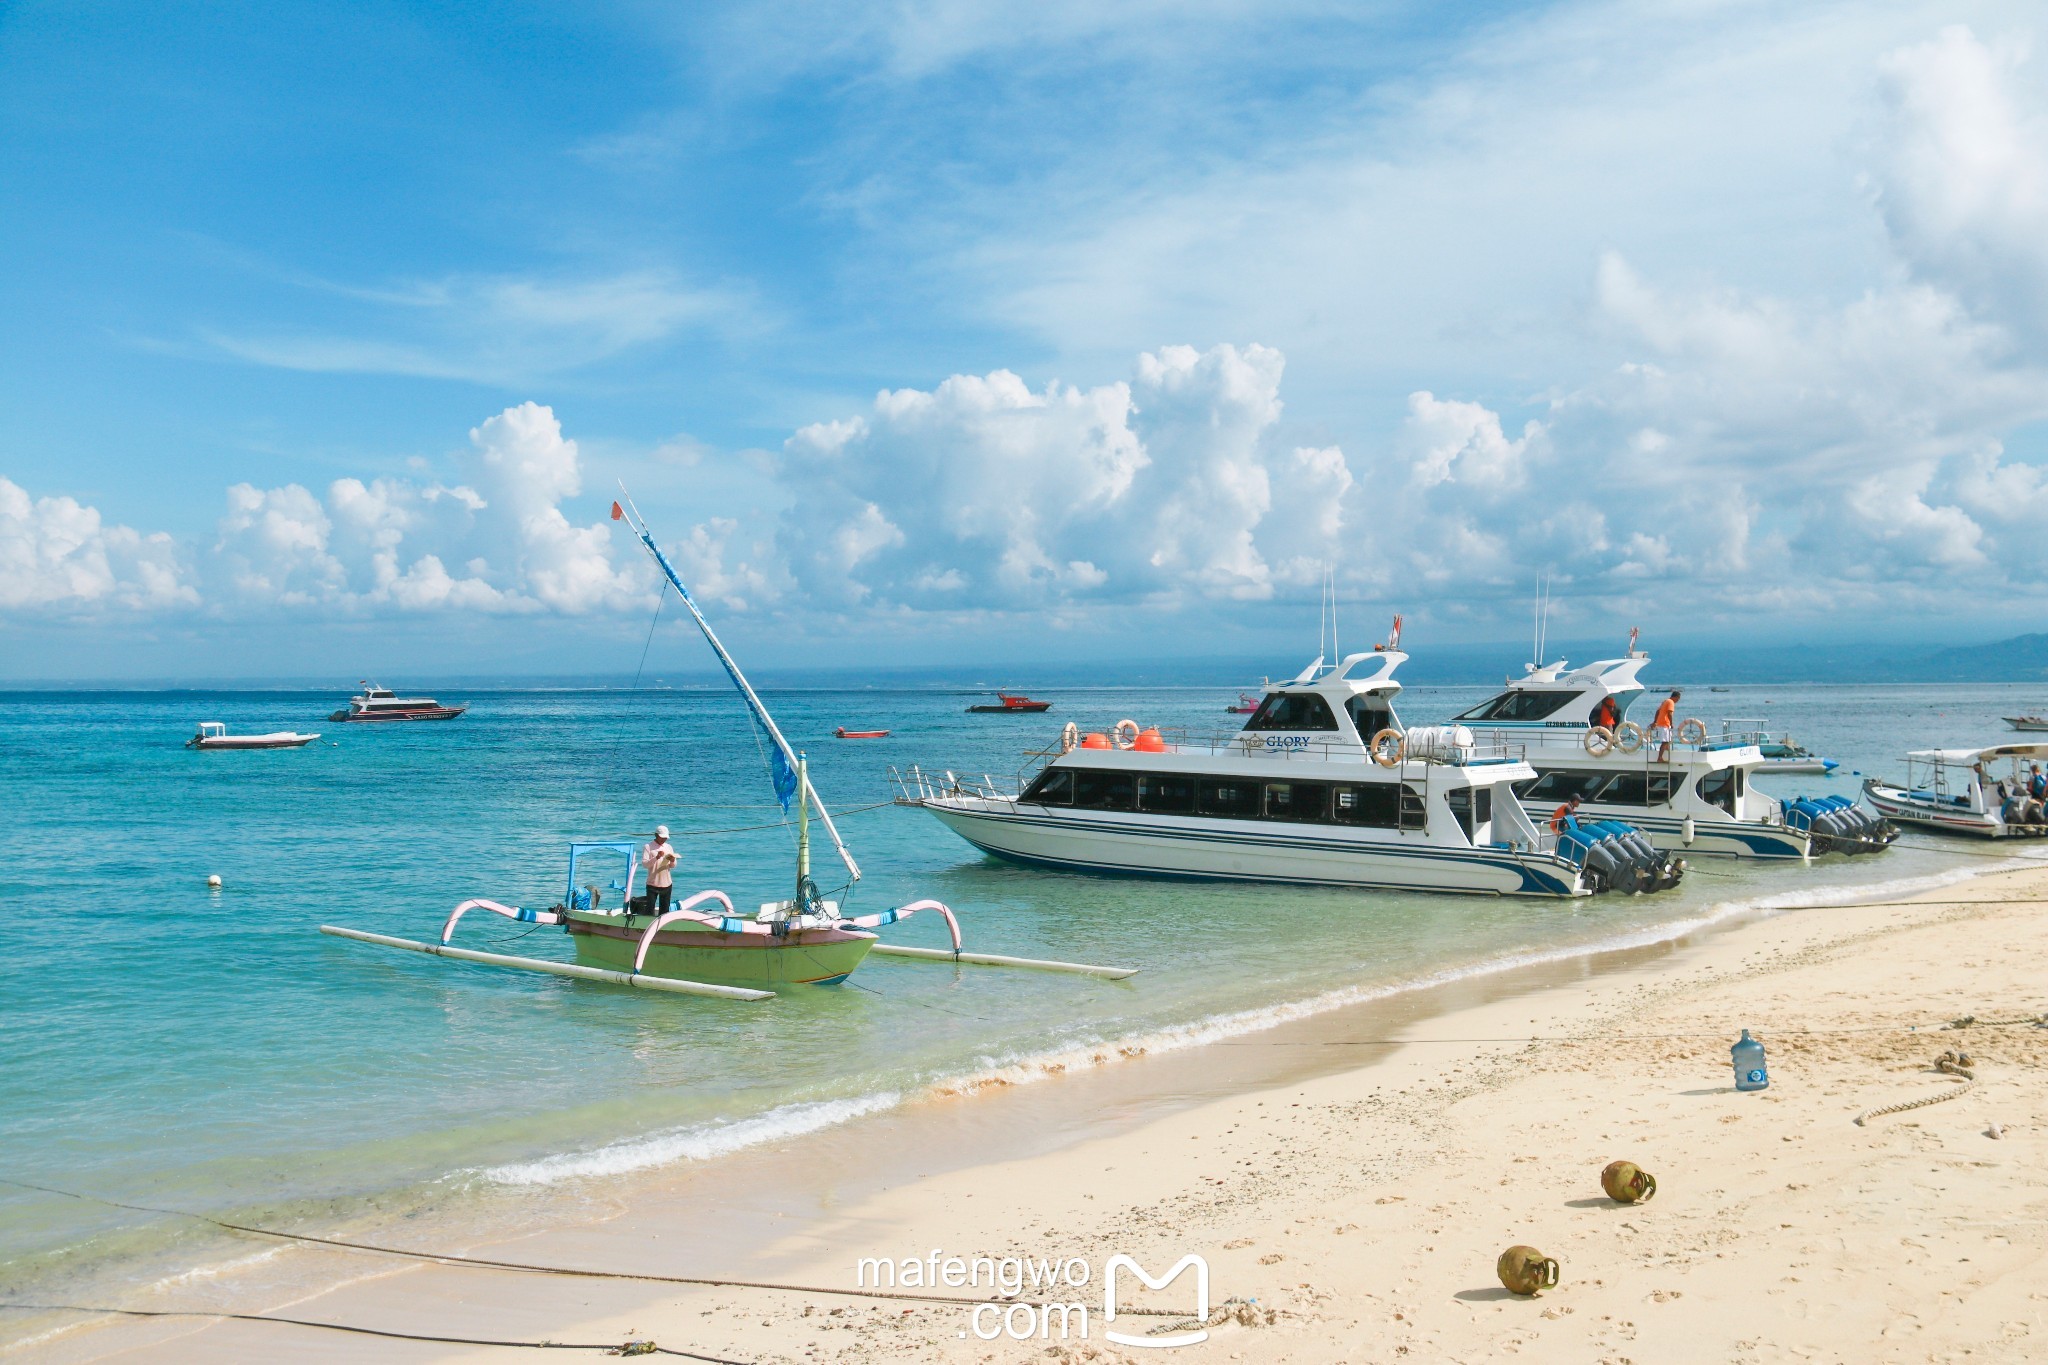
1566,816
1605,715
1660,728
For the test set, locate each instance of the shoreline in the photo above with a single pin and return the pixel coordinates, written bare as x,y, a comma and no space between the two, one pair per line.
777,1205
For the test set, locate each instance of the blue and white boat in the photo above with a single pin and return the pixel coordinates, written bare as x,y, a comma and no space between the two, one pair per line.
1696,795
1322,786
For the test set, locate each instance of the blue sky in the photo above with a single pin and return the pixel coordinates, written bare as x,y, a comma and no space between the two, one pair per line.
952,329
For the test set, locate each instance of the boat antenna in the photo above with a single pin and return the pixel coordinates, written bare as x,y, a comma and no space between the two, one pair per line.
1336,651
787,758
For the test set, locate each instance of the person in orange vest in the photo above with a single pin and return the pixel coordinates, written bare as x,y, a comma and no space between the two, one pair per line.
1660,728
1604,714
1566,816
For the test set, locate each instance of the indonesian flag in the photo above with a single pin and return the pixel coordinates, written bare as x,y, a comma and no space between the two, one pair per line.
618,512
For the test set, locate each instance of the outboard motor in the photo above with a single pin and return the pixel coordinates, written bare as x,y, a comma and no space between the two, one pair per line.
1838,825
1639,866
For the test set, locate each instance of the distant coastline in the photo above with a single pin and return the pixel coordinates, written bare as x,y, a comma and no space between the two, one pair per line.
2017,659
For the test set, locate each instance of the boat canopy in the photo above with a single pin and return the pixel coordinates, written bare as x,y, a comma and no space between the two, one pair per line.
1963,758
624,848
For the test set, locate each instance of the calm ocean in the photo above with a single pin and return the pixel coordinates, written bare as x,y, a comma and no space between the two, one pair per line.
171,1044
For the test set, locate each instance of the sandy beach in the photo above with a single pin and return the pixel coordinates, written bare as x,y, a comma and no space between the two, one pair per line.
1351,1178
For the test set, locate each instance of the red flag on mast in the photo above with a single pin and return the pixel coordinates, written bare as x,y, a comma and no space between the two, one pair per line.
618,512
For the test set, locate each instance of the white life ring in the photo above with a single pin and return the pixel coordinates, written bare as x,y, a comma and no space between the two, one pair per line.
1069,738
1692,730
1383,754
1628,736
1599,741
1117,735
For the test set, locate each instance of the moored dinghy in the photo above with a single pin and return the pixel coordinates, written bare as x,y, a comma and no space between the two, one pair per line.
703,945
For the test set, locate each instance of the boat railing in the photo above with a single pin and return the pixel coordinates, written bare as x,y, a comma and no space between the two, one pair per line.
916,787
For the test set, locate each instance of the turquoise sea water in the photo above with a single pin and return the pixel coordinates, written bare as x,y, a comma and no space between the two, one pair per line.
166,1043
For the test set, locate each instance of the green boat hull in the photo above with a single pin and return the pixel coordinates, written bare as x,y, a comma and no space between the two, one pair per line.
691,952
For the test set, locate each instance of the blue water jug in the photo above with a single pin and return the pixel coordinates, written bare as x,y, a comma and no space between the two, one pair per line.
1748,1054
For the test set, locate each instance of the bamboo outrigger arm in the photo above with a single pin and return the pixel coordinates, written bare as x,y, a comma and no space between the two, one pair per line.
534,964
972,959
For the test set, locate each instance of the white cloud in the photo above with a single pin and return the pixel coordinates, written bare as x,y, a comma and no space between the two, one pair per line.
390,542
58,555
1963,176
984,492
491,329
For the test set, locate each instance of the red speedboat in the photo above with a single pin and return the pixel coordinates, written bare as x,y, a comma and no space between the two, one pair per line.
1009,703
1246,704
843,733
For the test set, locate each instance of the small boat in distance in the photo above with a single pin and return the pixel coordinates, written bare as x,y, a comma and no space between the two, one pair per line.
1246,705
381,703
843,733
214,734
2027,722
1010,703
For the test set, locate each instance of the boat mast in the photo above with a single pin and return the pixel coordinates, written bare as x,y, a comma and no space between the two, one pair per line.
803,831
739,679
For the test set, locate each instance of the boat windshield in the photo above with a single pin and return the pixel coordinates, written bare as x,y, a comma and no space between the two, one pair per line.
1293,711
1520,706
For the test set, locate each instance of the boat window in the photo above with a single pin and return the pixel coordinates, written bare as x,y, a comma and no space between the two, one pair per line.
1369,715
1293,711
1376,805
1166,792
1054,787
1521,706
1717,788
1561,784
1472,807
1104,791
1229,797
1297,801
1626,789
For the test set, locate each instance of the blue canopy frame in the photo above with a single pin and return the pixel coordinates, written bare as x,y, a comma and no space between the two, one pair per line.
624,847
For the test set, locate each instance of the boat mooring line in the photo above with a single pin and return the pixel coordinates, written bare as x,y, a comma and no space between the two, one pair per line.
610,1347
528,1268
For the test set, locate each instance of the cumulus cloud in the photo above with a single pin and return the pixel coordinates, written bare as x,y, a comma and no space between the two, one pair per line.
58,555
498,542
985,492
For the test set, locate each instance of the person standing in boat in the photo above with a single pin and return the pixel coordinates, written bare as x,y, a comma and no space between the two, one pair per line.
1605,716
1566,816
659,858
1660,728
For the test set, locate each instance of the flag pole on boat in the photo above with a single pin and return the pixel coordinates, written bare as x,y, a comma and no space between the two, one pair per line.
789,774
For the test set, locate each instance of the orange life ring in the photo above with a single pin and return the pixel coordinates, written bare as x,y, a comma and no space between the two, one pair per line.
1118,733
1389,757
1069,737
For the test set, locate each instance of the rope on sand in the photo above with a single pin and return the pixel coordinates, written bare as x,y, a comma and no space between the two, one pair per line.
1955,1065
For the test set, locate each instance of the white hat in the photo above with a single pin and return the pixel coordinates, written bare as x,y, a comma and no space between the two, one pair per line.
661,831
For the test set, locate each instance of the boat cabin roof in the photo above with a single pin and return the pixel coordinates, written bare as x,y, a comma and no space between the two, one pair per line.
1963,758
1374,669
1558,694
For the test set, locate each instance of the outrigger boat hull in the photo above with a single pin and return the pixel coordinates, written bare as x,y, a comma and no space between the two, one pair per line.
688,952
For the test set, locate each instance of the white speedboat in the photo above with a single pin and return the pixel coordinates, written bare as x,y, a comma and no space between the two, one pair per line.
1966,791
214,734
2028,723
1698,798
1321,787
